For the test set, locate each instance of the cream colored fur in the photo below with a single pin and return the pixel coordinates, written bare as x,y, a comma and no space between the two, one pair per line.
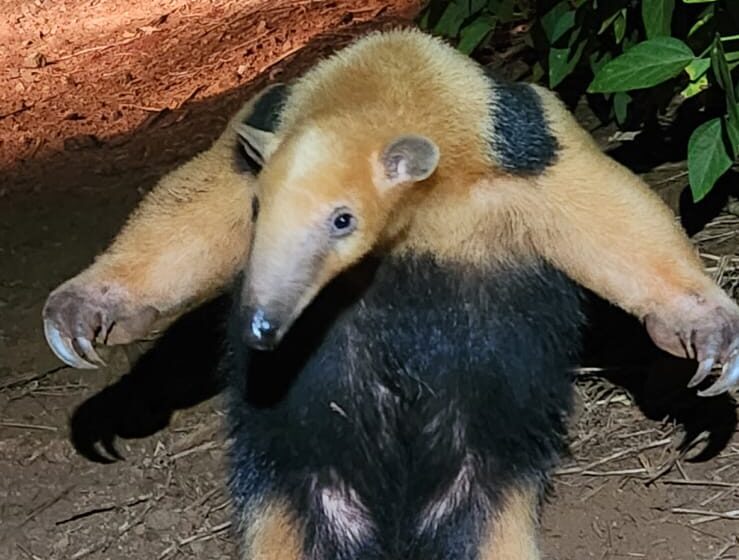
588,215
188,237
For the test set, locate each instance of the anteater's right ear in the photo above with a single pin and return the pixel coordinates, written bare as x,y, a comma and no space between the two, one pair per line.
408,159
258,144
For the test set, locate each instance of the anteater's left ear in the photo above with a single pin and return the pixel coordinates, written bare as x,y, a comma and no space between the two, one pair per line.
408,159
258,144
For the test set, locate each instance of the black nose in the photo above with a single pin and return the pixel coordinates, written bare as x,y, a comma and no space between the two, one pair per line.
261,332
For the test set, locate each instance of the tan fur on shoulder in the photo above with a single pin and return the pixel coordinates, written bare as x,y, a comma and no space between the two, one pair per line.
586,214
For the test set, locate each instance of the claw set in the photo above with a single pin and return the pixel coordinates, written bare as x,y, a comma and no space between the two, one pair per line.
77,352
727,379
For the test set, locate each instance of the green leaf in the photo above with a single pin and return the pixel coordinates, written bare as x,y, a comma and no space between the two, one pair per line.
598,59
450,21
564,23
697,72
476,6
608,22
707,158
697,1
657,17
703,19
619,26
472,35
697,68
732,134
694,88
549,20
644,65
621,102
721,70
723,77
563,61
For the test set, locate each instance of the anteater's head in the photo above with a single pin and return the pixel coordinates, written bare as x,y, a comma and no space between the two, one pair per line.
326,198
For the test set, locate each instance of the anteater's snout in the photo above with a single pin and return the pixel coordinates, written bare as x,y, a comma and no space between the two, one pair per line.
262,332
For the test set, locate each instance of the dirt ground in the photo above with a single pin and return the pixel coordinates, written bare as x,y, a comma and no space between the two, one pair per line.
104,100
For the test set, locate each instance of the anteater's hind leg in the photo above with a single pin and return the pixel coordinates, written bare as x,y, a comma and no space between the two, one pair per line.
272,531
467,523
510,534
324,520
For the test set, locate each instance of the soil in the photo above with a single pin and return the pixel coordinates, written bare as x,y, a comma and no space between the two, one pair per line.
128,462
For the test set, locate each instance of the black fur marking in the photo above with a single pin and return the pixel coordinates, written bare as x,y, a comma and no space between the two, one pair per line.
399,375
522,141
265,115
268,108
254,208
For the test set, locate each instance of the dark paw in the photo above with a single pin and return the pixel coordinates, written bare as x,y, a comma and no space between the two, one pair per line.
707,330
78,316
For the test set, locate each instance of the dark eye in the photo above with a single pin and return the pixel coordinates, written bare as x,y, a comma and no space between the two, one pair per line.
342,223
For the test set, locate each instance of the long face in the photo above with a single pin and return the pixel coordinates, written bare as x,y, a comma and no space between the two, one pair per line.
324,203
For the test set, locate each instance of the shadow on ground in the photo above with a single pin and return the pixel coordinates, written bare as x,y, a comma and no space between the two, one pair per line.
656,380
178,372
181,370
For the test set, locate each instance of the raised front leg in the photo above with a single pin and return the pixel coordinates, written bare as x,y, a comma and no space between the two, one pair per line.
183,245
602,225
180,247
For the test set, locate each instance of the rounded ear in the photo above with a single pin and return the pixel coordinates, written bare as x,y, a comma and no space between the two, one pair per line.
258,144
257,121
409,158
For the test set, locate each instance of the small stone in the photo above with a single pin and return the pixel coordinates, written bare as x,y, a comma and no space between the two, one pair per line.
36,60
161,520
62,543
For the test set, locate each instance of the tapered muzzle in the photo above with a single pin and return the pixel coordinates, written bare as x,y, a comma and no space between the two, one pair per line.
263,332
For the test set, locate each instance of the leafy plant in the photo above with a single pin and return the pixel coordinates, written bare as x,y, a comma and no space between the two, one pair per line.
470,22
642,56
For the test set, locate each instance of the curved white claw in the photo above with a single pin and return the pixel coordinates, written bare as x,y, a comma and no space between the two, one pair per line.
88,351
728,378
704,368
63,349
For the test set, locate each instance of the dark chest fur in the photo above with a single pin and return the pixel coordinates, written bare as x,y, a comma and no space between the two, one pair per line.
401,370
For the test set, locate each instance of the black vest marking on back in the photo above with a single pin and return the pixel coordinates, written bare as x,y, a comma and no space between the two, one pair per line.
522,142
265,115
400,373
